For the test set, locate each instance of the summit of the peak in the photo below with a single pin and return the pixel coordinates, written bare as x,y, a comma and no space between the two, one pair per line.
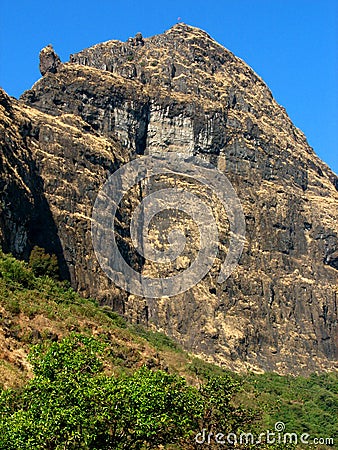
183,59
185,28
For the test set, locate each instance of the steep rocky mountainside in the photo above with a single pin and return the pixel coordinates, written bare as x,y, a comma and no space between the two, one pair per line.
180,92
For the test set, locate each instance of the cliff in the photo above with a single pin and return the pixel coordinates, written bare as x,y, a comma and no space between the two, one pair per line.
180,92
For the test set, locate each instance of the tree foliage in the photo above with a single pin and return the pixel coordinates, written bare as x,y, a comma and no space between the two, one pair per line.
72,404
43,263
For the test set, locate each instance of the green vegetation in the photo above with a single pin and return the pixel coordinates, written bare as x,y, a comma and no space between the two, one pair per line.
70,403
305,405
158,340
42,263
97,382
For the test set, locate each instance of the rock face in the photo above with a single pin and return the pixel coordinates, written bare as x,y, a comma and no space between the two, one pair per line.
49,60
181,92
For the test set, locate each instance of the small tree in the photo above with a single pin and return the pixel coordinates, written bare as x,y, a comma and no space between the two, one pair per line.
71,404
43,263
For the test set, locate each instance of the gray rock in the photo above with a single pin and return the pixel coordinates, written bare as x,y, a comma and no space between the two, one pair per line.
278,309
49,60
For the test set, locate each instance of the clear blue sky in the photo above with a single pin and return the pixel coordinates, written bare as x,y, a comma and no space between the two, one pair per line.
291,44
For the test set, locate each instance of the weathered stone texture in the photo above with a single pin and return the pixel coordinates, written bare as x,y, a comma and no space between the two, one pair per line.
181,91
49,60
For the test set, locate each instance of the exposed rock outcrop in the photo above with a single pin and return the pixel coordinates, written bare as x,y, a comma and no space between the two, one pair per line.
49,60
183,92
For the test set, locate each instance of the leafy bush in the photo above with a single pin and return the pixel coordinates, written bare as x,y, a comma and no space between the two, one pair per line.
70,403
42,263
15,273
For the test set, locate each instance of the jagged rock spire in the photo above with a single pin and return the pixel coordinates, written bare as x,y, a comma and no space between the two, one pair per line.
49,60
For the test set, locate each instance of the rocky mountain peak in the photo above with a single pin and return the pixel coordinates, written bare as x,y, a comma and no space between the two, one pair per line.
182,92
183,59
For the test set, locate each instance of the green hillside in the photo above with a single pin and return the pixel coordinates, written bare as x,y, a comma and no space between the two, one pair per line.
93,381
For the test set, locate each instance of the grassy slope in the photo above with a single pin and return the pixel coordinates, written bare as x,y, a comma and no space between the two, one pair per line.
35,309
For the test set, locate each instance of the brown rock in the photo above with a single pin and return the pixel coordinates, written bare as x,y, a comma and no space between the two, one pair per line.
49,60
182,92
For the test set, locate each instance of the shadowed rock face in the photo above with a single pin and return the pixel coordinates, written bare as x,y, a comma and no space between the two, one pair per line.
183,92
49,60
